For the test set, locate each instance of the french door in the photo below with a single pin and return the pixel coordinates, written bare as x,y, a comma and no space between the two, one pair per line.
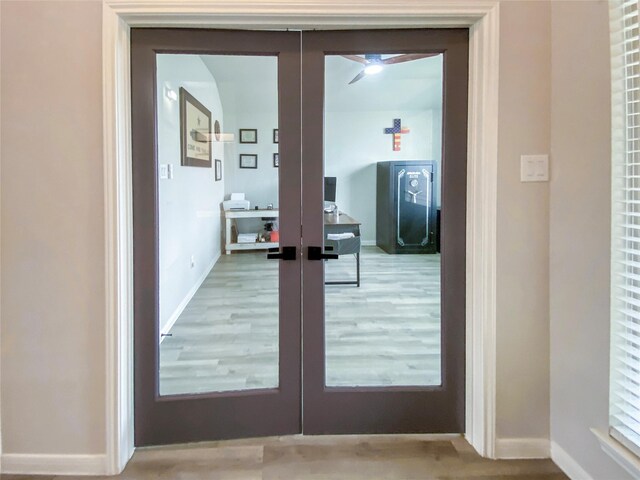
299,232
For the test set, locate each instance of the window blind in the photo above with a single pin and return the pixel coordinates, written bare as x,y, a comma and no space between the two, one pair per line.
625,278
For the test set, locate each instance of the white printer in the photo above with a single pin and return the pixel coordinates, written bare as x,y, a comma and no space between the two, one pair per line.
236,202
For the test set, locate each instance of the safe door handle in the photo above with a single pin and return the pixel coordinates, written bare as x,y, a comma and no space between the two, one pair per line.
288,253
316,253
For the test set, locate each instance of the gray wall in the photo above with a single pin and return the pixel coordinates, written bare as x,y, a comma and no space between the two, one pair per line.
52,300
53,291
579,232
72,246
523,220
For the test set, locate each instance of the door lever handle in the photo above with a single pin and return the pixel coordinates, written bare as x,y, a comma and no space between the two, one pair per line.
288,253
316,253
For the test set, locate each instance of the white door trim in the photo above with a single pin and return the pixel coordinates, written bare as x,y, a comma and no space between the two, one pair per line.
482,17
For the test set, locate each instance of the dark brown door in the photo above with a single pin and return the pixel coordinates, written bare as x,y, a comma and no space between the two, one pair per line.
223,361
384,120
357,139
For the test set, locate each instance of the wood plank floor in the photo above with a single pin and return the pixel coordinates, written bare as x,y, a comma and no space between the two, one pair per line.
359,457
385,333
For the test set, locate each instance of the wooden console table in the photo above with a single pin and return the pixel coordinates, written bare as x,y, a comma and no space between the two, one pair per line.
231,215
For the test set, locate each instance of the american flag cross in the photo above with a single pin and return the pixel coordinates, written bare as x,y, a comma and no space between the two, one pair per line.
396,131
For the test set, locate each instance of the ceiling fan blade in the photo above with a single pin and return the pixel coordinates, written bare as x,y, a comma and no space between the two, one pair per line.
356,58
357,77
407,58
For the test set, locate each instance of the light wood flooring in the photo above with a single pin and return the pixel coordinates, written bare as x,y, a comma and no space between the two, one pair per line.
385,333
406,457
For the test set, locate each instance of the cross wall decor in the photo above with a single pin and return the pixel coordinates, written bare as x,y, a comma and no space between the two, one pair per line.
397,130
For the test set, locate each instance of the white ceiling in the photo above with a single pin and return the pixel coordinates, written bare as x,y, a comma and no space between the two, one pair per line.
410,86
249,83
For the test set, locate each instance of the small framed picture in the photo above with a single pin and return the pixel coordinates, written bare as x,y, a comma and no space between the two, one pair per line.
218,170
248,135
275,135
276,160
248,160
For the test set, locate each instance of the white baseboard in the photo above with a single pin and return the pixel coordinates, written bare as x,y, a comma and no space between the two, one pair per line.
36,464
368,243
185,301
567,464
512,448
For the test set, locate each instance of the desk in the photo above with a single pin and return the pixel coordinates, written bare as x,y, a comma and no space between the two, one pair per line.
343,223
230,215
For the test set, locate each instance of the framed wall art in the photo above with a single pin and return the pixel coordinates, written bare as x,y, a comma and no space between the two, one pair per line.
275,136
218,170
276,160
248,135
248,160
195,132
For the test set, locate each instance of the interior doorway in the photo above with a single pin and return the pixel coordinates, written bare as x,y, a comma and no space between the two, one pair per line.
384,321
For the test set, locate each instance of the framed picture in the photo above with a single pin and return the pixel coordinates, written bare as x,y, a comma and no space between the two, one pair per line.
275,135
248,135
248,161
218,170
195,132
276,160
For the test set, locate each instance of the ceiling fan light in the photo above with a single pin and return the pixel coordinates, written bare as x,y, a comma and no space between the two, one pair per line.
373,69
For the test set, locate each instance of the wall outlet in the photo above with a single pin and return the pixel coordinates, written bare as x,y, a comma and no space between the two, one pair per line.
193,261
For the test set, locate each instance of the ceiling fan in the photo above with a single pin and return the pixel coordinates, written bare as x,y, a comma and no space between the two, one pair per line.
373,62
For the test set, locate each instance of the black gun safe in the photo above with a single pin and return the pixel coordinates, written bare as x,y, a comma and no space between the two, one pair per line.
406,207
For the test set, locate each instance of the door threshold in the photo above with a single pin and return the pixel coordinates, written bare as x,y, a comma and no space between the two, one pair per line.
302,439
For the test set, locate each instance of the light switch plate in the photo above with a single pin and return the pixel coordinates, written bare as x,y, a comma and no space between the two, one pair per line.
169,171
534,168
164,172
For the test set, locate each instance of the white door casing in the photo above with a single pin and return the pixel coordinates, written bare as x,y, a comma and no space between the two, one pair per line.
481,17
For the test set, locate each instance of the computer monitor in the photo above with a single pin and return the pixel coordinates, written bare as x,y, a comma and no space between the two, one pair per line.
330,189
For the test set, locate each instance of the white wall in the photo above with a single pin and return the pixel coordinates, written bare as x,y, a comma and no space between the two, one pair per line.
189,203
355,142
249,96
356,116
351,154
260,185
579,232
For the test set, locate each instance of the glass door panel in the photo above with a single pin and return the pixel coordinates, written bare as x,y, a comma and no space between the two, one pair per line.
382,195
218,213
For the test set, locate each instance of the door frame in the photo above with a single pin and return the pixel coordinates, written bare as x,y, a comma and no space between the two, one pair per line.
481,17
